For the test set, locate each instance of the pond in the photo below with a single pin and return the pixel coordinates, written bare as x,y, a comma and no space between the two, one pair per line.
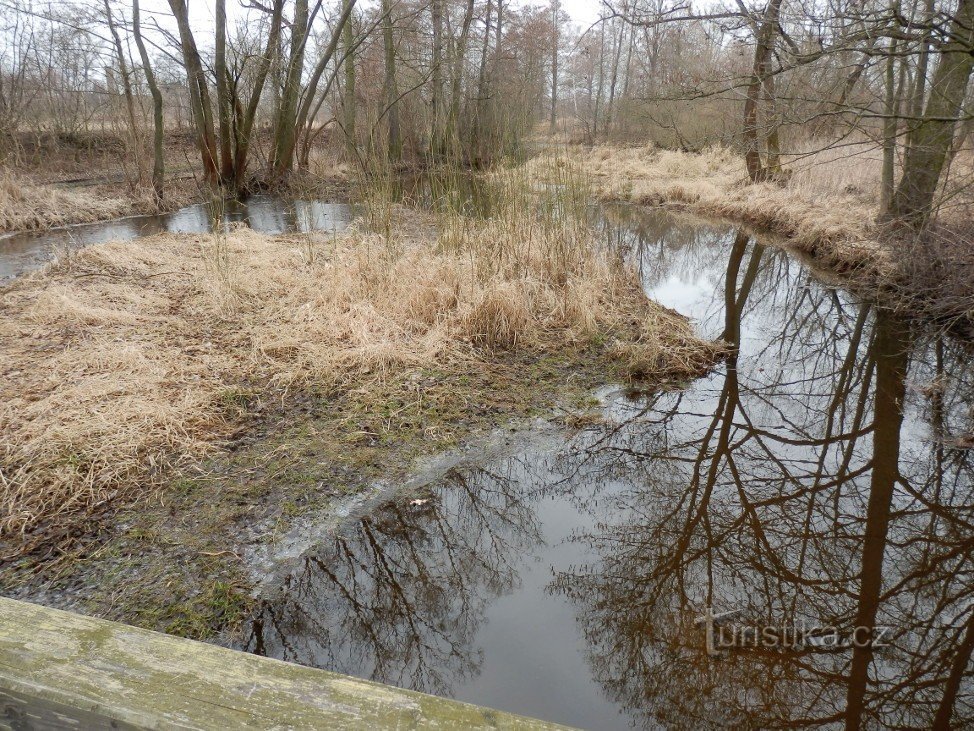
817,484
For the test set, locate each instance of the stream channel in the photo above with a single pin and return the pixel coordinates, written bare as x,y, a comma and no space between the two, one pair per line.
814,490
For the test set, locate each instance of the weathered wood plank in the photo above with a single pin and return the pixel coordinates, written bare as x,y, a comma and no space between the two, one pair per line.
64,670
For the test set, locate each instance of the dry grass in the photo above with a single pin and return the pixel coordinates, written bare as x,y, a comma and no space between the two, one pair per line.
25,206
823,210
117,363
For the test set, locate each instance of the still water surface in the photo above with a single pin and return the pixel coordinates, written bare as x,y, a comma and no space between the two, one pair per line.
24,251
819,477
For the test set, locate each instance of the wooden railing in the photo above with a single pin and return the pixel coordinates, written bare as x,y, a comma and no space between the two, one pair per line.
64,670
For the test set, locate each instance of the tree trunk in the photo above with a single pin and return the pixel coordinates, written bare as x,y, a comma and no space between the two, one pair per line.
436,136
920,83
773,140
199,94
223,95
476,128
127,90
348,100
889,132
613,79
598,92
158,122
391,88
928,146
764,43
553,118
250,114
456,81
282,154
305,112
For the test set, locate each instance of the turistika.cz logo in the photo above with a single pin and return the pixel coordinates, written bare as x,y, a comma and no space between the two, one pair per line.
722,635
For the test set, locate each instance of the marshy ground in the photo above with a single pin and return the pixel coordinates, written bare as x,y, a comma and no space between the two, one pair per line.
171,401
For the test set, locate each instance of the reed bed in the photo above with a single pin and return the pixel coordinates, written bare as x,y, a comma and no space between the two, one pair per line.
117,361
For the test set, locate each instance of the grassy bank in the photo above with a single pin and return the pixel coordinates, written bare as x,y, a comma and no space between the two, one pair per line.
163,397
26,206
827,210
826,206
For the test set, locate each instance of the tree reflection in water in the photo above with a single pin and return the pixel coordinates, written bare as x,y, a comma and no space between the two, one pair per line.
812,480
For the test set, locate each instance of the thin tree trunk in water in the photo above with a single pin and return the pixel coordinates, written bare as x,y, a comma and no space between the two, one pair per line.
282,154
223,94
890,353
930,143
348,101
158,160
199,94
889,132
392,92
127,90
957,671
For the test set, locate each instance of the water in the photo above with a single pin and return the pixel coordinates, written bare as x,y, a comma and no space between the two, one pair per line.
820,477
22,252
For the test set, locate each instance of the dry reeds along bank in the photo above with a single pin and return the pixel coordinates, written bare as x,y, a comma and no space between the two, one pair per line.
116,360
821,210
24,206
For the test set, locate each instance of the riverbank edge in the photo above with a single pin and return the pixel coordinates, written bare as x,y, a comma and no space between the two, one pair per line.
194,557
842,237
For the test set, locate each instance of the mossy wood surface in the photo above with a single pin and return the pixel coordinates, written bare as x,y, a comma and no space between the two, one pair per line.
64,670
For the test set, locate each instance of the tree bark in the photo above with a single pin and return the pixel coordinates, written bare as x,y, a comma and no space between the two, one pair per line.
199,94
348,100
223,95
889,132
158,121
436,141
555,28
127,90
928,147
391,89
250,114
457,79
764,42
282,154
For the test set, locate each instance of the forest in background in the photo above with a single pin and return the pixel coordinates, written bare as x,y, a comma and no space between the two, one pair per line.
276,87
